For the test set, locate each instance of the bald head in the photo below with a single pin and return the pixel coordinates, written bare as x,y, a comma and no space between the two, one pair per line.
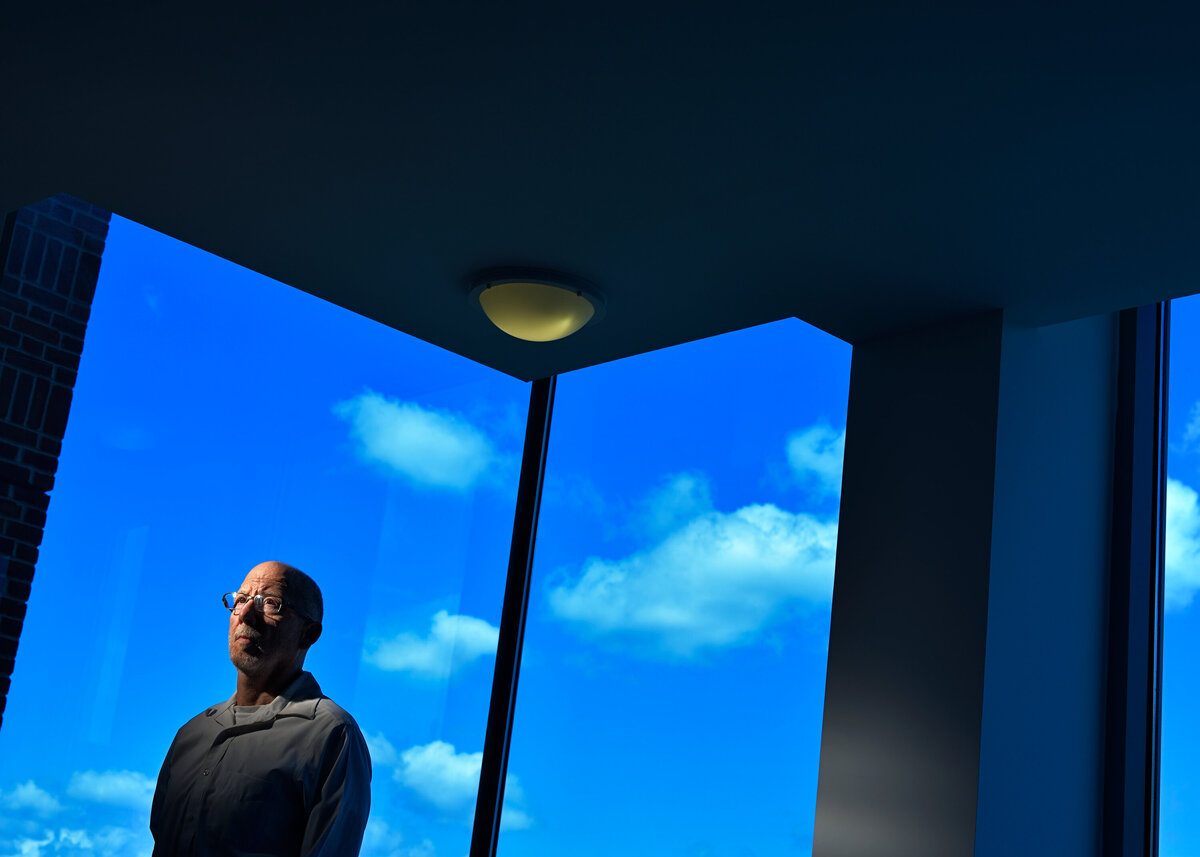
299,590
268,648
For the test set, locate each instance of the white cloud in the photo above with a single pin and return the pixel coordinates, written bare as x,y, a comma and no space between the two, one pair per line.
381,840
379,837
106,842
513,816
714,582
113,840
442,777
1192,431
816,454
27,795
1182,546
448,781
425,849
453,642
117,788
679,498
74,838
381,750
431,447
32,847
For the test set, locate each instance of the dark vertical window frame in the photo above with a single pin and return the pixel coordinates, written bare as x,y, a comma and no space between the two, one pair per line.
1136,585
490,798
1154,690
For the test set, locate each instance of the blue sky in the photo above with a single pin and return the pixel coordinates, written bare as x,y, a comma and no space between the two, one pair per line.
678,623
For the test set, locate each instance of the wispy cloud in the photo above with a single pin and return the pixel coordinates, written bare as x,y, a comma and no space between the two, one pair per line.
1191,432
678,498
714,582
381,750
1182,546
106,842
382,840
430,447
379,837
815,455
30,847
453,642
27,796
440,776
447,781
129,789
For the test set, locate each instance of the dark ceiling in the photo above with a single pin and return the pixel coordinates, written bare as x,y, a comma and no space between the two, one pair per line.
866,167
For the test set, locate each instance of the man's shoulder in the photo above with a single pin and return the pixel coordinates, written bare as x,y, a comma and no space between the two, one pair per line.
200,727
331,713
309,700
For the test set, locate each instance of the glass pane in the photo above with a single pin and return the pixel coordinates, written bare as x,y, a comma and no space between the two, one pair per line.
221,419
1179,797
672,685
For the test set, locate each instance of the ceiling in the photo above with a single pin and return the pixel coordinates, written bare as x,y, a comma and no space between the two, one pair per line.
864,166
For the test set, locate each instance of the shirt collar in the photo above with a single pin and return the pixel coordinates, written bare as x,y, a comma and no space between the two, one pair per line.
298,699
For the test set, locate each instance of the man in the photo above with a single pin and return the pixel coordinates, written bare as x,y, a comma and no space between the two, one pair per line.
278,769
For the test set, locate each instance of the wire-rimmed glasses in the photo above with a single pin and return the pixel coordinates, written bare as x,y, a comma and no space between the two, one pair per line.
268,605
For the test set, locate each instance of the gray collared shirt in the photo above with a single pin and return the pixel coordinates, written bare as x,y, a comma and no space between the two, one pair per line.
292,777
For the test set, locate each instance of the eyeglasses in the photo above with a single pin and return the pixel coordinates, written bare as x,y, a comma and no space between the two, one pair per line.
268,605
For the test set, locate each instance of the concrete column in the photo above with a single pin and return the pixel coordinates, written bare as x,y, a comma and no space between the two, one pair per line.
968,610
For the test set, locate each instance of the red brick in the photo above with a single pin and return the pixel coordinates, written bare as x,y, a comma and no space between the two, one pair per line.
34,517
14,529
25,552
15,433
18,409
33,256
30,364
16,249
18,589
42,332
31,347
45,463
57,409
61,358
12,607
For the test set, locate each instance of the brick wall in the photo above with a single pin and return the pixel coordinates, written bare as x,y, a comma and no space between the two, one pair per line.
50,260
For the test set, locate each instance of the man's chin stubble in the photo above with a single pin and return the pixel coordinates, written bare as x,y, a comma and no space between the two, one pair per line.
245,661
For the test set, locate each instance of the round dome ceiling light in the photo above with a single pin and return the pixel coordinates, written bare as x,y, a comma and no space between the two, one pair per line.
537,306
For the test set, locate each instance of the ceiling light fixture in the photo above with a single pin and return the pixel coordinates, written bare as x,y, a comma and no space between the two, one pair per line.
536,305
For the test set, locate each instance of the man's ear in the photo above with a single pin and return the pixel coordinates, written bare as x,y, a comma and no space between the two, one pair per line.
310,634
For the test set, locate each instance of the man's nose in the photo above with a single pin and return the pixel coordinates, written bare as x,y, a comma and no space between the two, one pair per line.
250,616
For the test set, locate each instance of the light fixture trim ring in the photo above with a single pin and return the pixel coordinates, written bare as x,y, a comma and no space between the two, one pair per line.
489,277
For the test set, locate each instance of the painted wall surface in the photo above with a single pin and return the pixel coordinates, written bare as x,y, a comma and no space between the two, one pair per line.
1041,756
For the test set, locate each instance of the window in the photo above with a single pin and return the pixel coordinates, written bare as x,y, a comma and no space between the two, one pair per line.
672,684
1179,795
221,419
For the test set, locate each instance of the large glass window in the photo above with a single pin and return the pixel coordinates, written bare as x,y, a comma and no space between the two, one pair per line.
221,419
672,684
1179,795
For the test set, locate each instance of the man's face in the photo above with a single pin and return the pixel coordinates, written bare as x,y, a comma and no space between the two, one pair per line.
261,645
